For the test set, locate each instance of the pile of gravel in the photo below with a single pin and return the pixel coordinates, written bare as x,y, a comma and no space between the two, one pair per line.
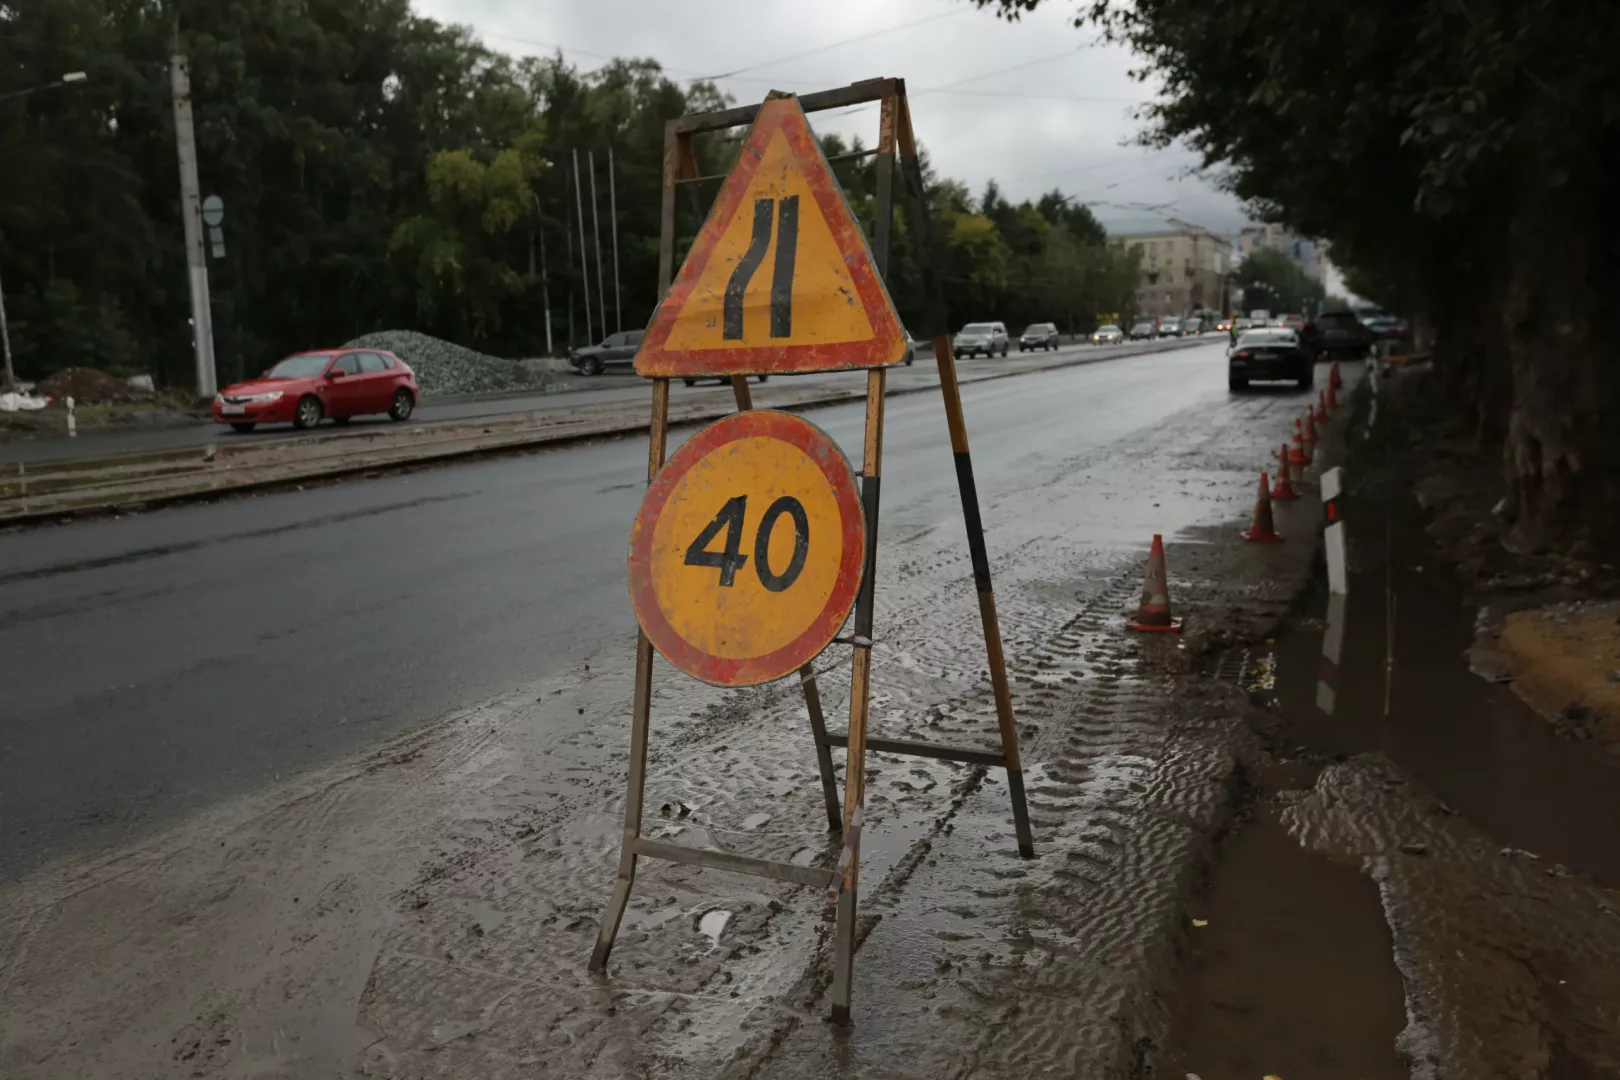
444,370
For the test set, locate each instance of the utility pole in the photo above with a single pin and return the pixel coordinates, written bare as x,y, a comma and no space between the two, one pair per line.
5,336
613,222
596,231
202,320
584,256
545,274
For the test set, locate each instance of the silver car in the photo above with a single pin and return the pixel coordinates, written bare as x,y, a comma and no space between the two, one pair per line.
981,339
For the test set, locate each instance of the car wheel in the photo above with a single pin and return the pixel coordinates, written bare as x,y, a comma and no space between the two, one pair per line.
404,405
762,378
689,382
244,428
592,365
308,413
1234,384
1307,380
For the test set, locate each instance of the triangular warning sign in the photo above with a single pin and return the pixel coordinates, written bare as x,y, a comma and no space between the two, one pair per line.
780,278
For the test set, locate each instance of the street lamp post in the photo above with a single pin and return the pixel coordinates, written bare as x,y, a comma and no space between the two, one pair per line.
66,80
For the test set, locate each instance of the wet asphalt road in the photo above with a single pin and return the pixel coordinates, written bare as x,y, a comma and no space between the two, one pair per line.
618,385
156,663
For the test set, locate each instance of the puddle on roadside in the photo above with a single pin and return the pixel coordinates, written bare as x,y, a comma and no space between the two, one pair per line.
1291,973
1475,744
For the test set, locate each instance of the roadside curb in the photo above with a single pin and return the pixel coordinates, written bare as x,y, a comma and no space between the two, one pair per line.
487,444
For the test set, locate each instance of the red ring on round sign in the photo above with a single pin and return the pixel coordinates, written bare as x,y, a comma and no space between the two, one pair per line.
819,447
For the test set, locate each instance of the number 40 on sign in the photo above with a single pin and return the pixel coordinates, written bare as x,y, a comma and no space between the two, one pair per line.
746,555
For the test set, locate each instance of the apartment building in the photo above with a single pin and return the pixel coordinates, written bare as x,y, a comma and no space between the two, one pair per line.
1184,268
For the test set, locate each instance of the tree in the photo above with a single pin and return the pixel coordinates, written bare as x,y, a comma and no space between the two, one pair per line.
1455,155
1270,279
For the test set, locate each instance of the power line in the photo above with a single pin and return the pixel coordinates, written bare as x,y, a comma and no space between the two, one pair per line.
840,44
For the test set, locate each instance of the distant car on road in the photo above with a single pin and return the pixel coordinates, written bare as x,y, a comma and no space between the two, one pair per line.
617,348
306,388
1169,327
1296,323
1142,331
1041,335
1244,324
1340,333
1107,335
981,339
1388,328
1269,354
726,379
1224,326
1192,327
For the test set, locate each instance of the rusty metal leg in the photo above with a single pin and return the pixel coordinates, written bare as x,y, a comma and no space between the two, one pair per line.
818,729
636,790
859,700
640,719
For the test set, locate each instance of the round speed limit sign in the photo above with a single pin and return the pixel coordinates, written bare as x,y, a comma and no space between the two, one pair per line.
746,555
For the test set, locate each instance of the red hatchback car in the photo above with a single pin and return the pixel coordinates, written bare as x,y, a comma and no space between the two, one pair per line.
307,387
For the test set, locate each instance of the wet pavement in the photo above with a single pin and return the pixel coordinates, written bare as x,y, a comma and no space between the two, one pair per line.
1215,891
617,385
304,624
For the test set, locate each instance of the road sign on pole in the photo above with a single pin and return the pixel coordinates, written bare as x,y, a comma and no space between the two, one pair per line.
779,278
751,543
746,555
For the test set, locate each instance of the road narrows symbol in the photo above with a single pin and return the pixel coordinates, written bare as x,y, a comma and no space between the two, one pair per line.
787,247
779,277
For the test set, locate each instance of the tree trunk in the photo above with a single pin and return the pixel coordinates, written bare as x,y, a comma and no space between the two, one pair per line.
1560,457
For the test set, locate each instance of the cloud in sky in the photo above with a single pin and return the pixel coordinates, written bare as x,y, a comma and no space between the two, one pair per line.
1035,105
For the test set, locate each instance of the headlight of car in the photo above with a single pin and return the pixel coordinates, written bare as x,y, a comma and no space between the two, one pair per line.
273,395
219,399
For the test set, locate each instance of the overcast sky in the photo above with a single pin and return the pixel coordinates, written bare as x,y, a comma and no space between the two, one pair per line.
1033,104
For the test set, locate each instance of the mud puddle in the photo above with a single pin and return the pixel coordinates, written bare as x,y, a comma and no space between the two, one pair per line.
1475,744
1290,970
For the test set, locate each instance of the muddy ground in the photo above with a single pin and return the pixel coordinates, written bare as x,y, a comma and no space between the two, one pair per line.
1219,888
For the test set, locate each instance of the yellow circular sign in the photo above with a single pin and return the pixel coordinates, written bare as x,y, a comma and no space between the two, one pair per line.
746,555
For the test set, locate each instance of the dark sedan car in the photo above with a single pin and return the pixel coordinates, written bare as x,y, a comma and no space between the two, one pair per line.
1275,354
617,348
1341,334
1041,335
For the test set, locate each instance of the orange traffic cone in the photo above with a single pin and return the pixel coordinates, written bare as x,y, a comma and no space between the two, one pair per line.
1283,489
1322,413
1297,459
1263,531
1153,616
1333,389
1335,380
1310,436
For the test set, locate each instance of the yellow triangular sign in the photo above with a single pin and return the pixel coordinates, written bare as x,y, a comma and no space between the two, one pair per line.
779,278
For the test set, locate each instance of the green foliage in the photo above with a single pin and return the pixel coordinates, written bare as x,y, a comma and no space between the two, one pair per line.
1271,280
383,170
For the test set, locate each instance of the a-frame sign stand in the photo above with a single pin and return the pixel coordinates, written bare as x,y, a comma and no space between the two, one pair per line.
705,325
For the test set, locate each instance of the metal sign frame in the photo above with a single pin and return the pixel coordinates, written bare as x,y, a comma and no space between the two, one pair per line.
896,145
